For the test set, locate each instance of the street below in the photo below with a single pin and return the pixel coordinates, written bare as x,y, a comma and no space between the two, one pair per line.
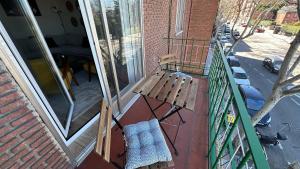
286,114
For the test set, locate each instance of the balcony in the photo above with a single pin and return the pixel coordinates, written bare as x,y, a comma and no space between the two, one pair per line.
218,134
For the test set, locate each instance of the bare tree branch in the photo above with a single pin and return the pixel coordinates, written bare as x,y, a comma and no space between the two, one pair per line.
290,92
290,80
297,61
295,87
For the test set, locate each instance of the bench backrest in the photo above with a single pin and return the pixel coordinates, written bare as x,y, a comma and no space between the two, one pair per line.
104,129
166,59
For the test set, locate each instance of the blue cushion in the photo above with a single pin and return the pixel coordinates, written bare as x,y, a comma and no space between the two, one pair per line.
145,144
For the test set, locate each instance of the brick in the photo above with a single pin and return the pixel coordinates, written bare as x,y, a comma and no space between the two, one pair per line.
5,129
42,160
24,140
15,166
9,98
14,159
38,142
6,146
47,149
34,137
18,130
59,163
16,114
28,163
23,119
6,87
12,107
53,159
27,157
18,148
42,146
3,157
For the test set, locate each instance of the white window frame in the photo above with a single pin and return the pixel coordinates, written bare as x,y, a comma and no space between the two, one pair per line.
179,16
15,61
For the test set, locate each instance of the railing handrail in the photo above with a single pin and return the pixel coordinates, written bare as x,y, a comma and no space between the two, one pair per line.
257,153
223,88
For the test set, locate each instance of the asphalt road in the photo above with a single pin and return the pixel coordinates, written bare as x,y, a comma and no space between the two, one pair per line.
286,114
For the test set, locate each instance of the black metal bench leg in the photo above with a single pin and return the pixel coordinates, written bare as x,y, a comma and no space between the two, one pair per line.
180,117
176,152
149,107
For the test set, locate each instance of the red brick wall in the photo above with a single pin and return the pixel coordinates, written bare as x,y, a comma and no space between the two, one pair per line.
155,28
25,141
156,18
202,14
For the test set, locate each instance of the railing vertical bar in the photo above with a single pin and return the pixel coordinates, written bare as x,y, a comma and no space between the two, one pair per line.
244,160
218,109
219,80
226,141
222,119
215,75
191,55
202,51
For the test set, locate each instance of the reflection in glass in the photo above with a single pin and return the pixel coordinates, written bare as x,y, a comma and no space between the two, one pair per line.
123,19
98,19
70,53
69,45
24,37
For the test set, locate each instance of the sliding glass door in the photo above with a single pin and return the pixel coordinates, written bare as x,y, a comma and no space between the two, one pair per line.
58,55
120,23
28,45
76,53
123,19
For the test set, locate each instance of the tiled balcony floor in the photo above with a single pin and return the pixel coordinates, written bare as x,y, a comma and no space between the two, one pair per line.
191,142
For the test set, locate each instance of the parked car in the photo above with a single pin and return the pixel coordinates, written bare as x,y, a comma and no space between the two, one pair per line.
227,29
228,35
230,54
227,46
244,25
236,33
240,76
223,39
260,30
273,64
254,101
233,61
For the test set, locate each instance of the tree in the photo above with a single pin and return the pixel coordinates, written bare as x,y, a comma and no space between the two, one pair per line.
288,76
252,12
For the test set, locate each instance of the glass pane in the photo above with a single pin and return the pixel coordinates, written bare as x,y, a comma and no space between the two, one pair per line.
24,37
123,19
69,45
98,19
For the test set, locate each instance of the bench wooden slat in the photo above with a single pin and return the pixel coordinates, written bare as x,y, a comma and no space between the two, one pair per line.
168,61
180,100
191,99
151,82
167,56
99,143
108,135
172,96
154,92
165,91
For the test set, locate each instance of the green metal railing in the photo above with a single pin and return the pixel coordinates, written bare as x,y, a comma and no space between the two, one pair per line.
233,142
191,55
